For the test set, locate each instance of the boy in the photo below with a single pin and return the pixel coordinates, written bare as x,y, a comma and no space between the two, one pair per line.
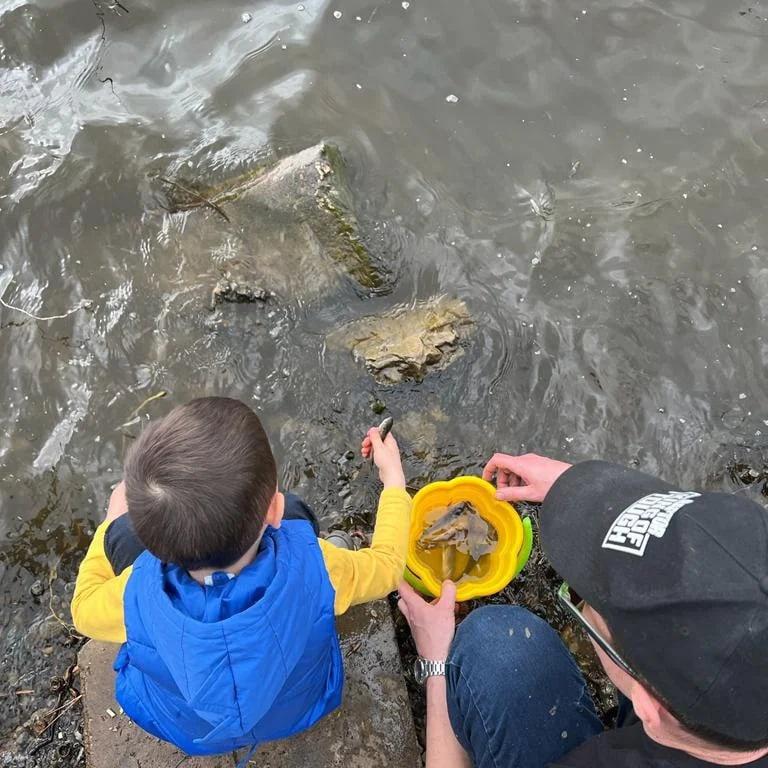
218,587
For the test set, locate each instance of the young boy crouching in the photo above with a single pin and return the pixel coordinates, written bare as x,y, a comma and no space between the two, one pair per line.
218,587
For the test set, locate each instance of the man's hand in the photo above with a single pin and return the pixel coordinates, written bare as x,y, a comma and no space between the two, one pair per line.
432,624
386,456
523,478
118,504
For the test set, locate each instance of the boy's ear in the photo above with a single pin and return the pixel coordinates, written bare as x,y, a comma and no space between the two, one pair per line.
276,509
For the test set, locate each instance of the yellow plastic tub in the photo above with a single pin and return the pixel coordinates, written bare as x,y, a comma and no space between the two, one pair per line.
497,569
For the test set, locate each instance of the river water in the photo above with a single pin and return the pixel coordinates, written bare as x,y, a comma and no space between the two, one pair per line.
589,177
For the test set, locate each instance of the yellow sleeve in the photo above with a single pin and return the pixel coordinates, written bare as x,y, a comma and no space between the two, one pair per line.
372,573
97,605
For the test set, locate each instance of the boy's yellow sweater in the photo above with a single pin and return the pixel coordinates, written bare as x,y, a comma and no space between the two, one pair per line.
357,577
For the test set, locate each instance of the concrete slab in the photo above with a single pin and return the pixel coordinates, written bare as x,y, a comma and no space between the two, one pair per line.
372,729
291,230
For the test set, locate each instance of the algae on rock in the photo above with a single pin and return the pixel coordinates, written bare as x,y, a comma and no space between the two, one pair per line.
410,342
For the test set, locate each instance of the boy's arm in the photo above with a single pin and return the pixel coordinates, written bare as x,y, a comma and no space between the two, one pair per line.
97,605
369,574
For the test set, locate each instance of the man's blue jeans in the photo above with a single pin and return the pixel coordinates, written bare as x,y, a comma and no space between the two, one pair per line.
516,698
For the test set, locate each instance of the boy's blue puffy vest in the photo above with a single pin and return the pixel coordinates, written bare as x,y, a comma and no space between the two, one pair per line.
245,660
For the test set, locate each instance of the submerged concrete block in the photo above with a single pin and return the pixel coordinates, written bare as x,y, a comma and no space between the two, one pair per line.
290,228
372,729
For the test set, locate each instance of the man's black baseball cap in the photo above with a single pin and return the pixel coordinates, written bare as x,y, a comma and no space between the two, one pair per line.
681,579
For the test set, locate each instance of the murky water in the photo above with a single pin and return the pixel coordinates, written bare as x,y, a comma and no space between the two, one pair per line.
589,177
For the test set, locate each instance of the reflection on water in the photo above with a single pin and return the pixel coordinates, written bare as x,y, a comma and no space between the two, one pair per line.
594,194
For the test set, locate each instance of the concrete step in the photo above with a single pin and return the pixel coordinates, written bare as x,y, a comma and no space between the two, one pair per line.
372,729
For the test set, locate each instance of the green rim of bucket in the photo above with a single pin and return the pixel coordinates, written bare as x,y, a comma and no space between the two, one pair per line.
525,550
522,559
416,582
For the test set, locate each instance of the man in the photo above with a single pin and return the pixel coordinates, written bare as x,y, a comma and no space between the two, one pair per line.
675,585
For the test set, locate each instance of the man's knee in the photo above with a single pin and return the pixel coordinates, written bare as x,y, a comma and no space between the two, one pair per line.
502,660
501,637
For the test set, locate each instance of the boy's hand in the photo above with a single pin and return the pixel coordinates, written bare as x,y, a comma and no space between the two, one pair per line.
523,478
118,504
386,456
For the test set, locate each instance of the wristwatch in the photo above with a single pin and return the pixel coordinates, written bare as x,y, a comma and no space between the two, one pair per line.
424,668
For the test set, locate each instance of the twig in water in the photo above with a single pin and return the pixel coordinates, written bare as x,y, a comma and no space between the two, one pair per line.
131,419
157,396
84,304
117,4
62,710
69,627
197,195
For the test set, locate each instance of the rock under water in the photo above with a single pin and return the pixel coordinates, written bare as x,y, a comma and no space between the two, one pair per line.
228,290
410,342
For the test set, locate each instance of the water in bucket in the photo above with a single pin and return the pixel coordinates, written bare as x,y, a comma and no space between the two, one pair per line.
455,541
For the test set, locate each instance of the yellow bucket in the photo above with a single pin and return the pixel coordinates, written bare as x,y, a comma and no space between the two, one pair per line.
497,569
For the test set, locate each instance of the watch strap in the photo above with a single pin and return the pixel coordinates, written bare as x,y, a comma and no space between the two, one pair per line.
433,668
426,668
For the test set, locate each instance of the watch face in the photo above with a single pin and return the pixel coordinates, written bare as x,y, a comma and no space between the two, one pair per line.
419,671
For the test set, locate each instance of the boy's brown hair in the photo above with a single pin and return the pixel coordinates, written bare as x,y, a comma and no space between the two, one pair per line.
199,483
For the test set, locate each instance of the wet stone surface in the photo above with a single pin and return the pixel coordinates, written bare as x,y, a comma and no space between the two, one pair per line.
408,343
229,290
372,729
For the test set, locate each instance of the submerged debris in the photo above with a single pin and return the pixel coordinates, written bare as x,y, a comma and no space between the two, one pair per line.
744,474
85,304
236,292
134,417
42,721
201,199
543,202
